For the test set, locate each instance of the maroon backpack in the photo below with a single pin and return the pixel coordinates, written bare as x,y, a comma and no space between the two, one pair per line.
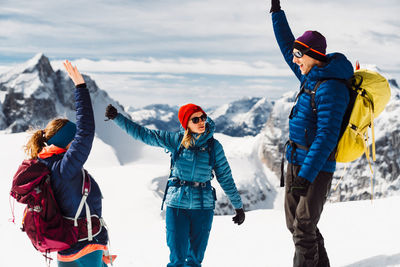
43,221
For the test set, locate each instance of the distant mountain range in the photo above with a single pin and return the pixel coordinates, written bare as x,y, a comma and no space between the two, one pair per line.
33,93
240,118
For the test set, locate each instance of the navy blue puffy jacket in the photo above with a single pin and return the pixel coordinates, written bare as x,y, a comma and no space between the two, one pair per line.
320,131
66,174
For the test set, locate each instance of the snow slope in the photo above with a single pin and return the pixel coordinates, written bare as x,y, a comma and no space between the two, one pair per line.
358,233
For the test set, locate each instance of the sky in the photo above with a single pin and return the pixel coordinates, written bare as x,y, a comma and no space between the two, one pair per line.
212,50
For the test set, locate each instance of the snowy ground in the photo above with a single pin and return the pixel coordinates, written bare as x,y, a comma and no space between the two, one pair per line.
356,233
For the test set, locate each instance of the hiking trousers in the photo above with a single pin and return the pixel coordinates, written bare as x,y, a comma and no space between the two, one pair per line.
302,216
187,235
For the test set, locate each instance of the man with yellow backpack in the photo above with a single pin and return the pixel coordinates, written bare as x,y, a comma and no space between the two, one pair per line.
331,104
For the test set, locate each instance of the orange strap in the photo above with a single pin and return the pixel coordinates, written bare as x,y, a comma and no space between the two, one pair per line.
86,250
310,48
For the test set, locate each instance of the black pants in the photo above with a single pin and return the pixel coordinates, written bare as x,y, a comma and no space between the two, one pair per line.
302,216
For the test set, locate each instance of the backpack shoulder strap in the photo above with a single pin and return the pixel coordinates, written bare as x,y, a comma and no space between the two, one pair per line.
312,93
317,85
211,151
175,154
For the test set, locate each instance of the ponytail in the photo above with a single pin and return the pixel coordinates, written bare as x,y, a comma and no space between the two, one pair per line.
35,144
39,137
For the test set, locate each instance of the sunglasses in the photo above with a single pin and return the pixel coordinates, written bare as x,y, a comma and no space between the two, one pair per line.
196,120
300,54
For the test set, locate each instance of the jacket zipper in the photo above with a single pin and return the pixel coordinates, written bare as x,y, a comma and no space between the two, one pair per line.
191,178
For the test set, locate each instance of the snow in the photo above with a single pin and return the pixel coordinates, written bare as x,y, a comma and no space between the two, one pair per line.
359,233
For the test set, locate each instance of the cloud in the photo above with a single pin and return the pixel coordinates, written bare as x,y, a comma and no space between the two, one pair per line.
206,46
182,66
208,29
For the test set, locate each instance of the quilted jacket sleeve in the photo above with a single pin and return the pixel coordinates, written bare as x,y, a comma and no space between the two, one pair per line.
331,101
285,39
164,139
77,154
224,176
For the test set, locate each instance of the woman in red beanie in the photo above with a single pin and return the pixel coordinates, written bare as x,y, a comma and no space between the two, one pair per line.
189,196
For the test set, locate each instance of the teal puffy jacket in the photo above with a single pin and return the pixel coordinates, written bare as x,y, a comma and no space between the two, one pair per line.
191,165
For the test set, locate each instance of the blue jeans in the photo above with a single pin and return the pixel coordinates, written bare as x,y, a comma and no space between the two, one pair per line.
94,259
187,235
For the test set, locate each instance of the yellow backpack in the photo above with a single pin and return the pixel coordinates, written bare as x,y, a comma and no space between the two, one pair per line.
370,92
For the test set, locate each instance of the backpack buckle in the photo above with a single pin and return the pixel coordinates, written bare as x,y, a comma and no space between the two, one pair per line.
37,208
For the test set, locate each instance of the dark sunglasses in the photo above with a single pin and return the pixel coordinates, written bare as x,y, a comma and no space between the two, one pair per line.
196,120
299,53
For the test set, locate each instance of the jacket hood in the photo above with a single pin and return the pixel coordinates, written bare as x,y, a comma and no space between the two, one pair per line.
338,67
209,132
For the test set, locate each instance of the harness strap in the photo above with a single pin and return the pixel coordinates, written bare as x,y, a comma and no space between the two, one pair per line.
294,147
179,183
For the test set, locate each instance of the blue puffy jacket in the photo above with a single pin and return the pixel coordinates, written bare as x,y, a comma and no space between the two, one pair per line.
66,174
320,131
191,165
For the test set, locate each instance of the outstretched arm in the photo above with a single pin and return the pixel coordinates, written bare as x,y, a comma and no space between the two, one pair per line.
165,139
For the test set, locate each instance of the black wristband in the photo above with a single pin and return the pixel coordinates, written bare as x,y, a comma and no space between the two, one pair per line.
82,85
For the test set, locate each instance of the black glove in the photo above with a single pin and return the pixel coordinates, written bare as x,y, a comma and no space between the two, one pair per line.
239,217
299,187
111,112
275,6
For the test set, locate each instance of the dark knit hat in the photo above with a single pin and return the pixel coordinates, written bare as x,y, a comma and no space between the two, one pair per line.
64,136
313,44
186,111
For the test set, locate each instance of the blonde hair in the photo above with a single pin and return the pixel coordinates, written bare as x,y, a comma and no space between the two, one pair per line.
188,139
39,137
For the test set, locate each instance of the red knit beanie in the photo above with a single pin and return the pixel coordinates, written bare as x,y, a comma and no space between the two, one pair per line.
186,111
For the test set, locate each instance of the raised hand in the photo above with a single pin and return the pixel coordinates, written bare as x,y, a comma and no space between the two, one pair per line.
239,217
275,6
73,73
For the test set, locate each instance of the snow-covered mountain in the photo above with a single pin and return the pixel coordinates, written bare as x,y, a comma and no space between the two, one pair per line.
356,182
33,93
243,117
156,116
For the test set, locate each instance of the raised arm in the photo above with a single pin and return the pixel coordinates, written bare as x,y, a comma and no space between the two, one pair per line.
80,147
164,139
284,36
